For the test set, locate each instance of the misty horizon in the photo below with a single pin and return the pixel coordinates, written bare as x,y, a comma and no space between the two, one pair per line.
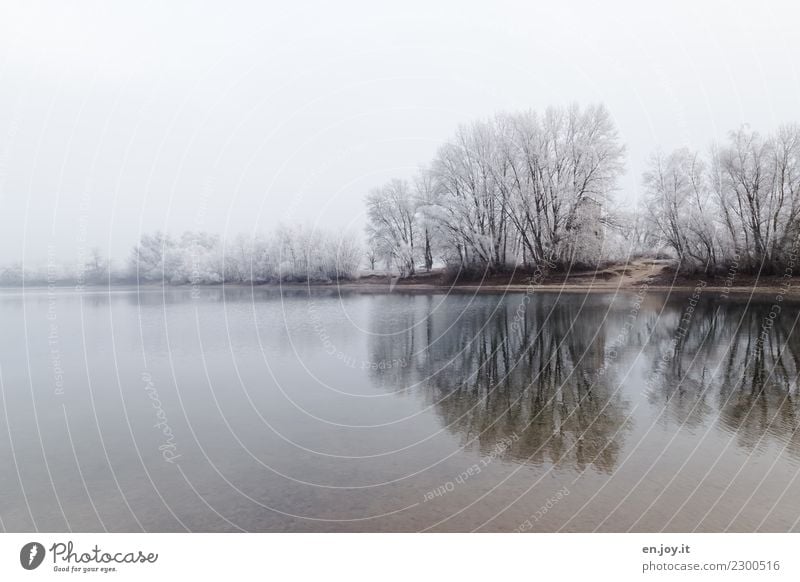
116,122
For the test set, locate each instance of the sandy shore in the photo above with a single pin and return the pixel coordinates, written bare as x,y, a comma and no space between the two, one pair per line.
656,275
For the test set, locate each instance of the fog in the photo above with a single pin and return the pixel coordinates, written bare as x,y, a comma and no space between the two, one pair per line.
235,117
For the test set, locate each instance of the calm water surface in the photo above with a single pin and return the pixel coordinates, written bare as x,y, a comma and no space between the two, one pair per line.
332,411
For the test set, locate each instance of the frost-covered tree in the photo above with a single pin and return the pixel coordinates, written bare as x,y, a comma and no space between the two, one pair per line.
758,190
425,195
155,258
470,208
680,208
561,168
527,188
740,207
200,260
290,254
343,257
95,268
392,225
12,275
371,255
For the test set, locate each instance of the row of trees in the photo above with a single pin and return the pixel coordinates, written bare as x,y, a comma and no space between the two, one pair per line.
520,188
529,189
286,255
289,254
92,268
737,206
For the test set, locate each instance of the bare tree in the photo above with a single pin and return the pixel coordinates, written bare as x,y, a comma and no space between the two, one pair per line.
425,198
758,189
680,208
745,210
537,185
392,226
154,258
470,208
561,169
372,257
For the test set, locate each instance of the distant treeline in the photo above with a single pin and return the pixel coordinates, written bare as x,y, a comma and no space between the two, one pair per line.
290,254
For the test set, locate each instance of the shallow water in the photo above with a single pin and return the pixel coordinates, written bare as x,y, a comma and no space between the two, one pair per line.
325,411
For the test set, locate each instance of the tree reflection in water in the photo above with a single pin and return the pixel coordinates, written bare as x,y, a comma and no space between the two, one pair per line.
736,368
498,370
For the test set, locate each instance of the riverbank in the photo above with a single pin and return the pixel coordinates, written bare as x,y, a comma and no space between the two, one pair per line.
655,274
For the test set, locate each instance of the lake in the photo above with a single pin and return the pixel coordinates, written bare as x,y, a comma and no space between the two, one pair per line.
333,410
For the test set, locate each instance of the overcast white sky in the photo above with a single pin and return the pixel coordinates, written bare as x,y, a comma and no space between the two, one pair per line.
231,116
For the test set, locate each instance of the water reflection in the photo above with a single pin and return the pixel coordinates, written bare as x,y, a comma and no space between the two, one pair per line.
737,366
500,370
587,391
544,373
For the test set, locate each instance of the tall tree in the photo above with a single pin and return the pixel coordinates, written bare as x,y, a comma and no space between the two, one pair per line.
392,223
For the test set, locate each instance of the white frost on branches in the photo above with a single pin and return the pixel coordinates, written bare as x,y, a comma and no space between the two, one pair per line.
520,188
739,205
289,254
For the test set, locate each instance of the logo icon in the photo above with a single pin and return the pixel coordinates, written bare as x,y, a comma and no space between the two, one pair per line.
31,555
